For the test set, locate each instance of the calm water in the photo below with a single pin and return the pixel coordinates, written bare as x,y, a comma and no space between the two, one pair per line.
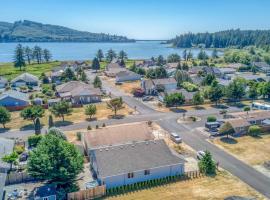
83,51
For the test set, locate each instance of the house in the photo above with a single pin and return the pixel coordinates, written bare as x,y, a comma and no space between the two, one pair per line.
115,135
239,125
46,192
135,162
262,67
6,147
56,76
13,98
151,86
250,76
144,63
3,82
113,68
172,65
25,79
51,102
127,75
212,70
260,106
225,71
224,82
78,92
196,70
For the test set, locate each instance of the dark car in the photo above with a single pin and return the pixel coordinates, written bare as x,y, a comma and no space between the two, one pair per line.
23,157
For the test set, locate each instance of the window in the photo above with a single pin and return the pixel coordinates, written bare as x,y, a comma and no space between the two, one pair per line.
45,198
130,175
146,172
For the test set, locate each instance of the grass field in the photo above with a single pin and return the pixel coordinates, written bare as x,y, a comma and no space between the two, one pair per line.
77,116
252,150
9,71
219,187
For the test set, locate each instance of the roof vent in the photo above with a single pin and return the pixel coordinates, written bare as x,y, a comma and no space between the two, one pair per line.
100,150
107,149
121,147
147,143
133,145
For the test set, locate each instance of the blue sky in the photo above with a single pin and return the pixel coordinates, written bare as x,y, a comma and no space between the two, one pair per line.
142,19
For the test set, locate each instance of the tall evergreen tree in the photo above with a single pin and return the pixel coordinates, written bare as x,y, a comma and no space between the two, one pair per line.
19,57
122,55
100,55
110,55
95,64
47,55
37,54
28,54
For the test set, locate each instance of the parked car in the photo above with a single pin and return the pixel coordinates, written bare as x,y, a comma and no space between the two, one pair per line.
174,137
23,157
147,98
213,132
200,154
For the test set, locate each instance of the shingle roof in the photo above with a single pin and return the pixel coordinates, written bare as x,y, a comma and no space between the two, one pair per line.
133,157
239,122
25,77
127,73
164,81
3,80
119,134
14,94
172,65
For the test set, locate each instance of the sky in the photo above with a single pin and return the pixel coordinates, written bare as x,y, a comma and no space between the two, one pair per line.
142,19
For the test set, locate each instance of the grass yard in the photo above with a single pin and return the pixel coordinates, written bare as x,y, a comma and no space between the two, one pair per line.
77,116
252,150
127,87
219,187
9,71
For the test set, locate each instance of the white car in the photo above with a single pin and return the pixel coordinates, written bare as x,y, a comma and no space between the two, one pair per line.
175,137
200,154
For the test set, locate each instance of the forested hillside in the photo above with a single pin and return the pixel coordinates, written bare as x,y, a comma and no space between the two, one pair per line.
230,38
28,31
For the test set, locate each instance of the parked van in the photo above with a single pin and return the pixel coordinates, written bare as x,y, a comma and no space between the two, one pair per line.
174,137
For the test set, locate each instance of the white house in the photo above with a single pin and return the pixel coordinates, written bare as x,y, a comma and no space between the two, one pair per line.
25,79
150,86
140,161
124,76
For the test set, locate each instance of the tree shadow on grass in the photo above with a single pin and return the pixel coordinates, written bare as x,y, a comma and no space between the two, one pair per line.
228,140
199,108
27,127
178,110
92,119
236,104
219,106
116,116
62,123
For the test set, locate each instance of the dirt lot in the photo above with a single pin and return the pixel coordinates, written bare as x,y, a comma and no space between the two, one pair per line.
126,87
219,187
252,150
77,116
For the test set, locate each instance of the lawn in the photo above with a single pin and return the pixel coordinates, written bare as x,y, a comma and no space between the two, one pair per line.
252,150
9,71
219,187
77,116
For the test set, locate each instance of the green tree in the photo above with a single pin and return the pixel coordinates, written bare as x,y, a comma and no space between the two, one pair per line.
84,77
197,99
55,160
208,79
47,55
57,132
236,89
32,112
253,92
184,54
226,129
37,54
173,58
95,64
97,82
214,53
215,92
28,54
50,121
174,99
207,164
202,55
110,55
254,130
37,126
19,57
61,109
211,119
90,110
246,109
190,56
115,105
33,140
122,55
68,75
11,158
5,116
160,60
100,55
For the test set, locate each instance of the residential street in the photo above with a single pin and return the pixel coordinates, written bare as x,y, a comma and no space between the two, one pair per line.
187,132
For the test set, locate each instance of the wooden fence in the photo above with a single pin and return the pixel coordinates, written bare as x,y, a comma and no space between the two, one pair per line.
18,177
193,174
92,193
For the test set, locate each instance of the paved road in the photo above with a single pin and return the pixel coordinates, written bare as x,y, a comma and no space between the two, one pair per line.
188,132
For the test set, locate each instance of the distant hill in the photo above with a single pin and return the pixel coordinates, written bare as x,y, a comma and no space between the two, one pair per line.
29,31
229,38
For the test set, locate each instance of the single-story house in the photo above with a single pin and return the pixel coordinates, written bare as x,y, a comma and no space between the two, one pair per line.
225,71
25,79
46,192
196,69
56,76
3,82
144,63
212,70
172,65
115,135
262,67
127,75
150,86
6,147
51,102
239,125
78,92
250,76
12,98
135,162
113,68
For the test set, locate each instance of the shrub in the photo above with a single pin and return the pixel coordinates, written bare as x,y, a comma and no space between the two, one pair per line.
103,125
254,130
79,136
211,119
34,140
97,126
89,127
19,149
190,87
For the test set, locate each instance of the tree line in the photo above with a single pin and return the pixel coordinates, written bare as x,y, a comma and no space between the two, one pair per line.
236,38
26,55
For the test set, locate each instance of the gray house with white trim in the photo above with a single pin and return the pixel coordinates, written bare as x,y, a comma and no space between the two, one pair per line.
25,79
135,162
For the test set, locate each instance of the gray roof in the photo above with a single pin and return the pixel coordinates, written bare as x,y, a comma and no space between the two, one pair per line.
127,73
164,81
6,147
133,157
3,80
25,77
261,64
14,94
